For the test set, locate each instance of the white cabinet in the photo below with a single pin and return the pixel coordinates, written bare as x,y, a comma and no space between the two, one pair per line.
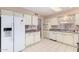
52,35
77,19
36,37
27,39
34,20
66,19
32,38
31,19
68,38
53,21
45,34
28,19
75,39
59,37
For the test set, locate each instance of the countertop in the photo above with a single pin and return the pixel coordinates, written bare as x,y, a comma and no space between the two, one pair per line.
66,31
31,31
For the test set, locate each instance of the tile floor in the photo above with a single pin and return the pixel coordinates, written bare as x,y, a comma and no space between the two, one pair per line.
50,46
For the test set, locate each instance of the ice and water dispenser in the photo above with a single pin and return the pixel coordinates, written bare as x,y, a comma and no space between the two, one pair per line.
8,32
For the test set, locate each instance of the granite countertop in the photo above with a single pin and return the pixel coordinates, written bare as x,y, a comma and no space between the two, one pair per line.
31,31
62,30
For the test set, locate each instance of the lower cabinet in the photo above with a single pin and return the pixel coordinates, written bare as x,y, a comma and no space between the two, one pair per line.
32,38
52,35
68,38
36,37
27,39
59,37
75,39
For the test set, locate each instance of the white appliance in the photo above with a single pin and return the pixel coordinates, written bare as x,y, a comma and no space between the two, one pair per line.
19,32
12,31
6,31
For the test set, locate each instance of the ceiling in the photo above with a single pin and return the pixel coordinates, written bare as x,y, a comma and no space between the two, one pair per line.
46,11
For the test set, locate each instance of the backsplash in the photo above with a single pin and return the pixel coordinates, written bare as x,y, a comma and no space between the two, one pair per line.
32,28
65,27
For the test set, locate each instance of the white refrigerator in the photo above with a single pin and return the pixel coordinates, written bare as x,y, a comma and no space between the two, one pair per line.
12,31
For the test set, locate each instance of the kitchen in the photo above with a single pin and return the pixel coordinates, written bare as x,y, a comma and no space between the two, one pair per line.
40,29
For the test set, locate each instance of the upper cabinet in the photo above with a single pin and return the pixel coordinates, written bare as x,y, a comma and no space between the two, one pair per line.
31,19
28,19
34,20
53,21
66,19
76,19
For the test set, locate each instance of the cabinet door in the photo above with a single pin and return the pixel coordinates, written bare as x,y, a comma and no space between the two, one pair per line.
53,21
31,38
36,37
52,35
27,39
75,39
59,37
28,19
77,19
68,38
35,20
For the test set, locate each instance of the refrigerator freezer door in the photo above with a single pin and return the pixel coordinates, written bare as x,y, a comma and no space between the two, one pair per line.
19,32
6,33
